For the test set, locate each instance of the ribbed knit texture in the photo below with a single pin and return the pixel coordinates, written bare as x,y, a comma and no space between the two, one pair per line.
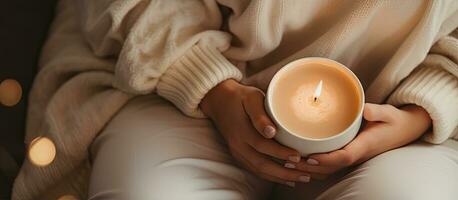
434,86
436,90
187,81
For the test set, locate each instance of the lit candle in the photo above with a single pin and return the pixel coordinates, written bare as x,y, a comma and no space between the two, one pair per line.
315,99
318,91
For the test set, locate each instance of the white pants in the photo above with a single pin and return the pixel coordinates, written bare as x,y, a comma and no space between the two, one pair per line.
152,151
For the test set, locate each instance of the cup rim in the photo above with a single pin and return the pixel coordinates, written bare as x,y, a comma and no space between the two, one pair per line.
311,60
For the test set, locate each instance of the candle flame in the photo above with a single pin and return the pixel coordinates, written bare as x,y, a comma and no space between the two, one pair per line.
318,90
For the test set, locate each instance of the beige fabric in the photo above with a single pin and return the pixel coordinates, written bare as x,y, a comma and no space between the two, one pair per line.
151,151
100,54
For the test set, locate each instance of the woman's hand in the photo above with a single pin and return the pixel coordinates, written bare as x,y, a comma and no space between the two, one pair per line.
238,113
387,128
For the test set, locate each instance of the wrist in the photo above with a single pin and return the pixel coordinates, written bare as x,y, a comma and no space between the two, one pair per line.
212,100
366,150
418,115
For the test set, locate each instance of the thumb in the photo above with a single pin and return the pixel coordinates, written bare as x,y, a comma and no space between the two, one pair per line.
378,113
254,107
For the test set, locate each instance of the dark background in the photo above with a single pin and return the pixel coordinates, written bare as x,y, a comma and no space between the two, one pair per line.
23,28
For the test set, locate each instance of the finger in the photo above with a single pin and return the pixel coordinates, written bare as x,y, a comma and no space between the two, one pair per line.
316,169
377,112
316,172
274,149
266,166
339,157
248,165
254,107
351,154
269,147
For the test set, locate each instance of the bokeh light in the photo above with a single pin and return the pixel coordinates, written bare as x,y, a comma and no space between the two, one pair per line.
42,151
10,92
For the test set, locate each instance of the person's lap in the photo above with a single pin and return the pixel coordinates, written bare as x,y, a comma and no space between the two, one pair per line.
153,151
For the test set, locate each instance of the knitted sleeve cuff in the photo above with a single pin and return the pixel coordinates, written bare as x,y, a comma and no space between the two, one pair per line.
436,90
187,81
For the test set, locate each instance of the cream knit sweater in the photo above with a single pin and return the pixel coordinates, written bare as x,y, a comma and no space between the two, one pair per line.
100,54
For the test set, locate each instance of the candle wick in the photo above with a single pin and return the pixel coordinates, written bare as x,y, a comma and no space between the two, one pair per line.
317,91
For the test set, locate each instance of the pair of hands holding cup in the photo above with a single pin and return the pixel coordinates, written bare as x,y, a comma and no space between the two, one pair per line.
238,113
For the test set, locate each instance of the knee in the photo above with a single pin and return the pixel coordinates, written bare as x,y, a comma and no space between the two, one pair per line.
178,179
414,172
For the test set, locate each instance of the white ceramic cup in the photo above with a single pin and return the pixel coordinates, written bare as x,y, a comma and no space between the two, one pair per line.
306,145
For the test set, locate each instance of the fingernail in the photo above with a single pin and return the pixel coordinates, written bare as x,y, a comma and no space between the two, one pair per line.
294,158
269,131
312,161
290,165
290,184
304,179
